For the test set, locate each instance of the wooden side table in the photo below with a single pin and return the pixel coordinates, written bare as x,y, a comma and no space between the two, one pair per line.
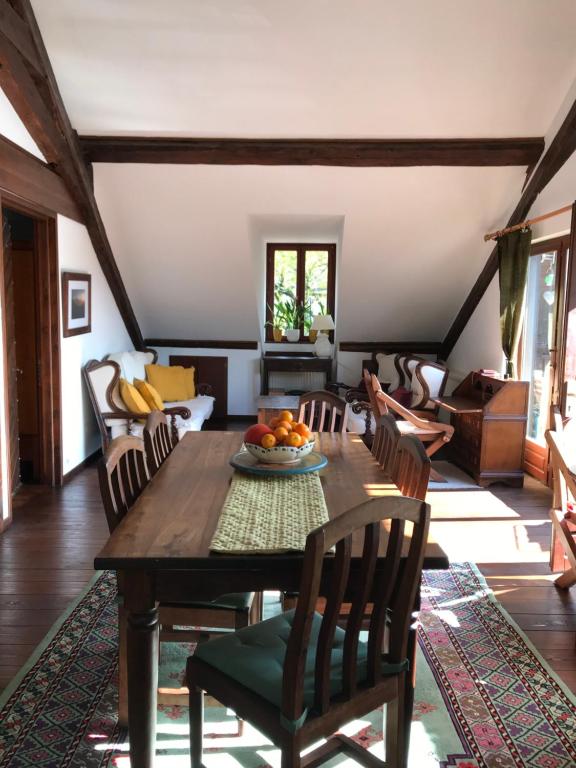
270,406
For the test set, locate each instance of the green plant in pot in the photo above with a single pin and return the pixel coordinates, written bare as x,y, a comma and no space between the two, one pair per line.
277,323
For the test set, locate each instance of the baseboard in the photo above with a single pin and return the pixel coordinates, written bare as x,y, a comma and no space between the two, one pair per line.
83,464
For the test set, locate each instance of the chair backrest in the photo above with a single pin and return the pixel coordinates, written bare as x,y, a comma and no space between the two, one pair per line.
390,589
379,408
123,476
385,445
323,411
562,453
428,381
410,471
157,441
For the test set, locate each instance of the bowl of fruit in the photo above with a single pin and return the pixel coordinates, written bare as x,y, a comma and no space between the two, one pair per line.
282,441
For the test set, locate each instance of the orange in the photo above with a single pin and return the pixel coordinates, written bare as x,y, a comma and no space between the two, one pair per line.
286,416
294,440
286,424
280,433
293,424
273,423
302,429
268,441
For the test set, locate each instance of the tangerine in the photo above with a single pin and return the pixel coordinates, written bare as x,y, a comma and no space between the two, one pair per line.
273,423
280,433
268,441
286,424
287,416
294,440
302,429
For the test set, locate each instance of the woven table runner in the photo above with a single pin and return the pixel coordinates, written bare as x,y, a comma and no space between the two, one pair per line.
269,514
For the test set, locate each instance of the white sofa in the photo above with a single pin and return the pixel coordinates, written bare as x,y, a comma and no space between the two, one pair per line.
102,378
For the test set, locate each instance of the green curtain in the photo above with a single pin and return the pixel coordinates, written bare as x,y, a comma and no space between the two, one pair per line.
513,254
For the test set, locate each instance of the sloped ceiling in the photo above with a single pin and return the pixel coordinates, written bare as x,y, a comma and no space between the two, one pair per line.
410,238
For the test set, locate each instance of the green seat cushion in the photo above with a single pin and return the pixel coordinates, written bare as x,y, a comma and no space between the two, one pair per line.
235,601
254,657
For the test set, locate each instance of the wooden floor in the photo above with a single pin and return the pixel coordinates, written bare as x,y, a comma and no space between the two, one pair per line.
46,559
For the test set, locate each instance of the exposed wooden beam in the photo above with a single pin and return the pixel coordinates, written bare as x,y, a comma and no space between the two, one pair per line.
16,30
560,149
201,344
28,178
40,106
335,152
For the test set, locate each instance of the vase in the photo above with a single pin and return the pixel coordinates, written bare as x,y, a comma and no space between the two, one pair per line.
293,334
277,334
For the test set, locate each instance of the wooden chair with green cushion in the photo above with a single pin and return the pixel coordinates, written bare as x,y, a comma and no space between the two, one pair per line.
299,677
123,477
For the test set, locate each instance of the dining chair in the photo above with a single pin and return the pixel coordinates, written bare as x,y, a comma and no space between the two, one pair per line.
385,444
410,471
562,514
123,476
300,676
158,443
323,411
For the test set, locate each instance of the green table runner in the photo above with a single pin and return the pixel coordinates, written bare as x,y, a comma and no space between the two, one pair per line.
269,514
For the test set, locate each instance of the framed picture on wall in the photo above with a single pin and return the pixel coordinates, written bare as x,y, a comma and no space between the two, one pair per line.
76,303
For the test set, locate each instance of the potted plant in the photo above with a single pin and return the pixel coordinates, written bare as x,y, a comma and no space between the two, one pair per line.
277,323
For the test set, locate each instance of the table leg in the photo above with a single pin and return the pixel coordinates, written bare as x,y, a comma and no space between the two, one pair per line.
142,645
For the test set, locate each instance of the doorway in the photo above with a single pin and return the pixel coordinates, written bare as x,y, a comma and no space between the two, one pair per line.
541,344
32,383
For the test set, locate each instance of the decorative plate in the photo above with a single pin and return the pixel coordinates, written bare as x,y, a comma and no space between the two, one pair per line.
280,454
247,462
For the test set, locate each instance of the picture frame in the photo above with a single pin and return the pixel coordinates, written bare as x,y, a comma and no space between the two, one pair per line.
76,303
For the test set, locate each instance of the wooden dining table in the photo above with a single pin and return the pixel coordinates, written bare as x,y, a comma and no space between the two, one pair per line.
162,549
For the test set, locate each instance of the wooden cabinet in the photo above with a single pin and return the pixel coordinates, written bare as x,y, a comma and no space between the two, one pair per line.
489,417
209,370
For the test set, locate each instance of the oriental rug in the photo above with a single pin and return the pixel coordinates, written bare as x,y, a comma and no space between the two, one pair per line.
484,696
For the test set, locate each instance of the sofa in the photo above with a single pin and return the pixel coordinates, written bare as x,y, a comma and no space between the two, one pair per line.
114,419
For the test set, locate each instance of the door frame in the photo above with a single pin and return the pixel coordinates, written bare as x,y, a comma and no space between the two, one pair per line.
47,290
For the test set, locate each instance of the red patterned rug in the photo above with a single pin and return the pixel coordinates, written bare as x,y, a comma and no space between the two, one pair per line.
484,696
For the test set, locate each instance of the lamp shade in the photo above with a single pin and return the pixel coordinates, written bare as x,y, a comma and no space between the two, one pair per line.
322,323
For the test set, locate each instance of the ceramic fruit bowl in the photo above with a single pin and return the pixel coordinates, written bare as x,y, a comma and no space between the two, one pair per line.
280,454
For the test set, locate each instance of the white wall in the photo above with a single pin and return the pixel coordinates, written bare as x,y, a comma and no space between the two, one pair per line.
243,374
13,128
80,436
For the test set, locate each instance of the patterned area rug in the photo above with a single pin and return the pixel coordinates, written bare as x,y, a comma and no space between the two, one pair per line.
484,696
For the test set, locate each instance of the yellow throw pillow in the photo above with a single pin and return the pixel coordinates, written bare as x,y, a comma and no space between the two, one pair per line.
133,400
149,394
190,386
169,381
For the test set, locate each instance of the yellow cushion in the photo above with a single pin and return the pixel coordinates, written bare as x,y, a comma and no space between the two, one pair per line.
149,394
169,381
133,400
190,386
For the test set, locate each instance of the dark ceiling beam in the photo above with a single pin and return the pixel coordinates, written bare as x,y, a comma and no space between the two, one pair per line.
335,152
15,29
560,149
40,106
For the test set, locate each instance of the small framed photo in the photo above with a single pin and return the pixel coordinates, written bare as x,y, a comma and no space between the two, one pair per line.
76,303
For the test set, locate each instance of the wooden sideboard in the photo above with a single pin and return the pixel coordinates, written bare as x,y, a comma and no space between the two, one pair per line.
293,363
489,416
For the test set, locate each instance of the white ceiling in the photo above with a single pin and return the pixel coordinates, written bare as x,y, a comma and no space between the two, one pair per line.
371,68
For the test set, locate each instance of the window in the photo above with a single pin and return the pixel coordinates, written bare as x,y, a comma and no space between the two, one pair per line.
300,283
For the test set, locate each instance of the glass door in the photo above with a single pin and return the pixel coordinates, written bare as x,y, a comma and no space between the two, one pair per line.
539,346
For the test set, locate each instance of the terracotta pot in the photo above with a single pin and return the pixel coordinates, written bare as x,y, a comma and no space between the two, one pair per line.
277,334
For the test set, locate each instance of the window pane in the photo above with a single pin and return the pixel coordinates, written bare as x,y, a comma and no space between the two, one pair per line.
538,339
316,284
285,275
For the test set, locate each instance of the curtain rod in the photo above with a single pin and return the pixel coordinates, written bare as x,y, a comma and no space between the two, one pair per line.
527,223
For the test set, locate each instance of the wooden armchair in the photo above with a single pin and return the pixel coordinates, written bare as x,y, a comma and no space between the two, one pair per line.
433,434
114,420
300,676
563,544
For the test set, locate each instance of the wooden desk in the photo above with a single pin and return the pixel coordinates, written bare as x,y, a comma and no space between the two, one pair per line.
163,549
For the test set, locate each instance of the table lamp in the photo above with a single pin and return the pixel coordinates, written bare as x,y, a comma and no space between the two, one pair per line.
323,324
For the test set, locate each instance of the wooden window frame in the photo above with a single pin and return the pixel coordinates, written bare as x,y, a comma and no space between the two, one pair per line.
300,249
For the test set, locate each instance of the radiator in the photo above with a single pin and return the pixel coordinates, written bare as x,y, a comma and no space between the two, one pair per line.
286,380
